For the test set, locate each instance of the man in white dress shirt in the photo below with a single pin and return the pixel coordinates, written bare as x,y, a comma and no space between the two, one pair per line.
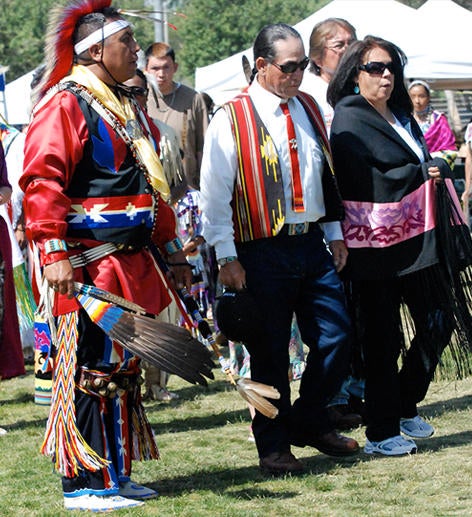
269,198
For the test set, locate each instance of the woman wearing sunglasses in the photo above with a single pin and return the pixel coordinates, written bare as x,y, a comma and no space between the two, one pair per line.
390,187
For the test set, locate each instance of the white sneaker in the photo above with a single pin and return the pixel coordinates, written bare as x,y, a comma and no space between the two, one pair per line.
95,503
394,446
161,394
134,491
416,427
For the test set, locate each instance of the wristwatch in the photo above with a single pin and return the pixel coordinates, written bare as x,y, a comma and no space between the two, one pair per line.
225,260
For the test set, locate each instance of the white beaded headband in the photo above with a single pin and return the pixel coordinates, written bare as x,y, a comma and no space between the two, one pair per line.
419,82
99,35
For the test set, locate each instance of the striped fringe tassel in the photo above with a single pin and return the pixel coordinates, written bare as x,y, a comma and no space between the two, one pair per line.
143,439
63,441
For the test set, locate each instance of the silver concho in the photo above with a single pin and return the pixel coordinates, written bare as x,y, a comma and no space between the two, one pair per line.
134,129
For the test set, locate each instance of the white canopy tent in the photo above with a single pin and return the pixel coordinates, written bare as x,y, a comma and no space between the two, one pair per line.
17,97
434,53
446,61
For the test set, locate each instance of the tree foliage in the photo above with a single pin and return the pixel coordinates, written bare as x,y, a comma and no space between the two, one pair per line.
23,26
22,29
215,29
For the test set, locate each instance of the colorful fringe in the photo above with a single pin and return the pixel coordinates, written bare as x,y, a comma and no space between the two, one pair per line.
25,305
63,441
143,440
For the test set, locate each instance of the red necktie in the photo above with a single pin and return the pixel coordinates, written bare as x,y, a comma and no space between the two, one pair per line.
297,191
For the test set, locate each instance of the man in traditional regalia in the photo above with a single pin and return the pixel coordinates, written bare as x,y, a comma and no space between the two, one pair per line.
92,176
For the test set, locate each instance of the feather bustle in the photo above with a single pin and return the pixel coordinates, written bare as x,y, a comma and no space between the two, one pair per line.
173,349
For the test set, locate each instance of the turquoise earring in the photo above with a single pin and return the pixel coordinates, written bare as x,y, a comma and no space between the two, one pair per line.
356,89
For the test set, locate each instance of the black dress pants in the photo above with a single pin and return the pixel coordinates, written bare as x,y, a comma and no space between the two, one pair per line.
392,393
295,275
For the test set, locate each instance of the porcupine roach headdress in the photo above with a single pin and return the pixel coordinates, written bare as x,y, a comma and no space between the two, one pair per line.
59,52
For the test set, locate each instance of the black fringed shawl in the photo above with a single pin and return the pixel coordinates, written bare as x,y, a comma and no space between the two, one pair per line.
398,221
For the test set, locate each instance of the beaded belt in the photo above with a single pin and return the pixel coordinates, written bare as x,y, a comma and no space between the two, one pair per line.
298,228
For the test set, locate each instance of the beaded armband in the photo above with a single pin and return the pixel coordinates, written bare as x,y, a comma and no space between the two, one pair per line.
173,246
54,245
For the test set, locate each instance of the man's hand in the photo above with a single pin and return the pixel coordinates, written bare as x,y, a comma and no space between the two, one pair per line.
233,275
192,244
60,277
180,270
340,253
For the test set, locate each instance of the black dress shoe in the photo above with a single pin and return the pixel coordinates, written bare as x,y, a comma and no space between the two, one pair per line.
280,463
332,443
343,418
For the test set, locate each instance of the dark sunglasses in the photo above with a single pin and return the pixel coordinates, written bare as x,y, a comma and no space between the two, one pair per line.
377,67
138,91
289,68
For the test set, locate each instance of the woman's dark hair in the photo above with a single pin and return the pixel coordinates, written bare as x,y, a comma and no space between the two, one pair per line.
265,40
344,78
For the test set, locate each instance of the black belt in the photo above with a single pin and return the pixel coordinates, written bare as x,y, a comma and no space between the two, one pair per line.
298,228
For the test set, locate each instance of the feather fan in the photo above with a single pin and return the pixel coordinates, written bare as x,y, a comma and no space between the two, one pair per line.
166,346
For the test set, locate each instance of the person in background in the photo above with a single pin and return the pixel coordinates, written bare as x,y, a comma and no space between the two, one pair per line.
179,106
433,124
107,161
438,135
390,185
210,104
187,112
155,379
13,142
11,354
329,40
467,171
269,239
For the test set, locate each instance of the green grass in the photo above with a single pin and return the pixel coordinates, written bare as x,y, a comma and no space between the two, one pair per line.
208,468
